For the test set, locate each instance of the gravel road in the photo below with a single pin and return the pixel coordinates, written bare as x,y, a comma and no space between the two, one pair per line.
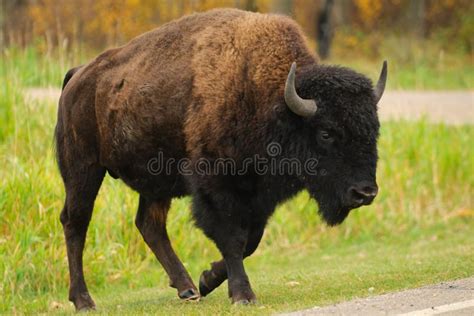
446,298
450,107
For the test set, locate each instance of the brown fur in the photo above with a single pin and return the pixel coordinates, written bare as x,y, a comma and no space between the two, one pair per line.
180,82
208,85
159,212
239,57
178,89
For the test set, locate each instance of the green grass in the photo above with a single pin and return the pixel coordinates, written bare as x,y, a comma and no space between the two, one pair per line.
301,277
416,64
418,231
33,67
417,74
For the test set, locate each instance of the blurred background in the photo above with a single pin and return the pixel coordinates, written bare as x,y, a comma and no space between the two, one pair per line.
418,231
430,41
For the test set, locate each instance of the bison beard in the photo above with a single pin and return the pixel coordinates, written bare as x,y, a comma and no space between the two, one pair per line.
220,84
333,218
333,207
331,210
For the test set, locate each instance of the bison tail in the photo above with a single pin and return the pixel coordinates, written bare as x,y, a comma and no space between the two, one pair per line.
69,75
59,129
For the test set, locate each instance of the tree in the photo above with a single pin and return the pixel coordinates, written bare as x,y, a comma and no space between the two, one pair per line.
325,29
283,6
416,17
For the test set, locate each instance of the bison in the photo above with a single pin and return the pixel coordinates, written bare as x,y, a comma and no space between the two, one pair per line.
209,86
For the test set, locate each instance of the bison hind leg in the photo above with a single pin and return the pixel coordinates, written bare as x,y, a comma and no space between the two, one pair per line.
82,185
151,222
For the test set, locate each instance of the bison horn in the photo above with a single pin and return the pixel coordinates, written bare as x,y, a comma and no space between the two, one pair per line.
380,87
297,105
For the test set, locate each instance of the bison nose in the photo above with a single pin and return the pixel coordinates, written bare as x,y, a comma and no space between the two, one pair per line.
362,193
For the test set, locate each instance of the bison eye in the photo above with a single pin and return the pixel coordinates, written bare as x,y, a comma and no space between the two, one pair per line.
325,137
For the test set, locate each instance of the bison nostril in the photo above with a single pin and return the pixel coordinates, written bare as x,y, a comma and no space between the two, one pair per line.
370,191
363,194
356,196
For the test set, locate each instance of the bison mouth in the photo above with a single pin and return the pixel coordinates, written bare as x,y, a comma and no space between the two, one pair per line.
333,217
331,209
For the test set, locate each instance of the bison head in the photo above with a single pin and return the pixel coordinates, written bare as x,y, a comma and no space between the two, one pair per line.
337,108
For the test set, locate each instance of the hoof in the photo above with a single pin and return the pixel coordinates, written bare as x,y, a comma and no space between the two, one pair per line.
85,309
244,298
84,303
245,302
189,295
203,287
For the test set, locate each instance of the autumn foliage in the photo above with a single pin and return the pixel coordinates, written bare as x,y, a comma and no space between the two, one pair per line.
101,23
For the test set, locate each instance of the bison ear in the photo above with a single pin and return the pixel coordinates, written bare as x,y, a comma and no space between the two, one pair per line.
380,87
298,105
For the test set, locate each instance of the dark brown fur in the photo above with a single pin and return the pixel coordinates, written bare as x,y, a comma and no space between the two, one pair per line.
207,85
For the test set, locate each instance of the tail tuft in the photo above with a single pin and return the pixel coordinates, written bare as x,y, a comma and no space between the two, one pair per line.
69,75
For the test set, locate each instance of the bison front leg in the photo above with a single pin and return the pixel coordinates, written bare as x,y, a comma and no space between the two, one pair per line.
151,222
230,236
231,243
213,278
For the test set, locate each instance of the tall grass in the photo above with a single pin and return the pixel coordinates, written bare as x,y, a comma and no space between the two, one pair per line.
414,64
33,67
425,176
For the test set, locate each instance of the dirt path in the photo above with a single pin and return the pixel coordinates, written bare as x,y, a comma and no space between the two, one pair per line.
450,107
446,298
43,93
